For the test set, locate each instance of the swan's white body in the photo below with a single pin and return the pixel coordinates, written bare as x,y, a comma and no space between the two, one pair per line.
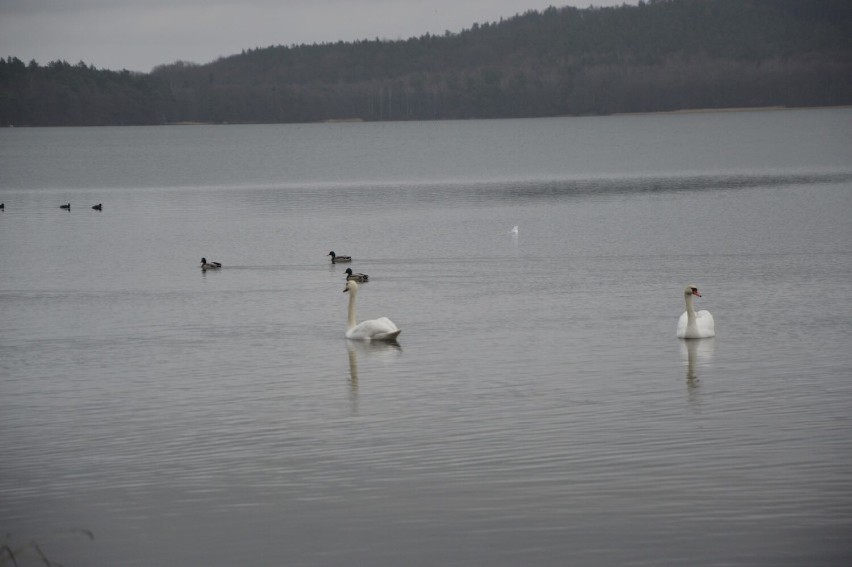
514,230
381,329
205,265
692,325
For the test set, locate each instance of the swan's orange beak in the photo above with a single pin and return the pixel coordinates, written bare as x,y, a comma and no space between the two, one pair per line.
695,292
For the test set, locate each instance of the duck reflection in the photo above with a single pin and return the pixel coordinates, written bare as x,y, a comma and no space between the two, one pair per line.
379,350
695,351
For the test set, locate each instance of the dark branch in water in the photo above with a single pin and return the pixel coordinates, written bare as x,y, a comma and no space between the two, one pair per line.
12,555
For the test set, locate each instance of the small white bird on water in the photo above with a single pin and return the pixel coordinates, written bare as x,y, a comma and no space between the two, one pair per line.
514,230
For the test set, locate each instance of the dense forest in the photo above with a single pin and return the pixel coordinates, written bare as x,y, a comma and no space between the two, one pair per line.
658,56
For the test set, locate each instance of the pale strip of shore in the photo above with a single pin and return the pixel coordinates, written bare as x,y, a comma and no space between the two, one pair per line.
729,109
680,111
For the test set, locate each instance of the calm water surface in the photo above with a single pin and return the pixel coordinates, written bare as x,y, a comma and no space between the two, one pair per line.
538,409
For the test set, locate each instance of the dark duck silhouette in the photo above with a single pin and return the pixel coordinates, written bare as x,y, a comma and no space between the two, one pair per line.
357,276
335,259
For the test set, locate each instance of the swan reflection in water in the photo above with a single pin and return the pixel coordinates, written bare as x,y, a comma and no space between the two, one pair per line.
383,351
695,351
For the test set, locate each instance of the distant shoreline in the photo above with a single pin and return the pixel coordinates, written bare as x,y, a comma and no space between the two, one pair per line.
730,109
650,112
361,120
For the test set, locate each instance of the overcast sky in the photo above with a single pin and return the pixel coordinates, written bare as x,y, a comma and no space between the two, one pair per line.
140,34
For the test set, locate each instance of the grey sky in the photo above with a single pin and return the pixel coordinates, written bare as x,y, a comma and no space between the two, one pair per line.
140,34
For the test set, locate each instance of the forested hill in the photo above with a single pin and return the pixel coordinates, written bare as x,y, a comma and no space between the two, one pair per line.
660,55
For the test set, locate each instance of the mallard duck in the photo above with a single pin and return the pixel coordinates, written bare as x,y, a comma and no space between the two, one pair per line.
98,207
335,259
205,265
357,276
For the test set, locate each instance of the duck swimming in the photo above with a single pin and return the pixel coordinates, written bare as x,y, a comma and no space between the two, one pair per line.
205,265
357,276
335,259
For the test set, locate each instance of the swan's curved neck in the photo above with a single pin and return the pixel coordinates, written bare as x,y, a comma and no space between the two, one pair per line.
690,310
350,323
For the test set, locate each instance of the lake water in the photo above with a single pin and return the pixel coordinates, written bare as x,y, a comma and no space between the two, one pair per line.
538,409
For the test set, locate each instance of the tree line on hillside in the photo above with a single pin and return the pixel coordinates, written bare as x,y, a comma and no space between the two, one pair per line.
659,55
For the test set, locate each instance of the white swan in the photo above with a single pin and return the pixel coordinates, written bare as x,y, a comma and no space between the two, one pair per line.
381,329
205,265
692,325
514,230
357,276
